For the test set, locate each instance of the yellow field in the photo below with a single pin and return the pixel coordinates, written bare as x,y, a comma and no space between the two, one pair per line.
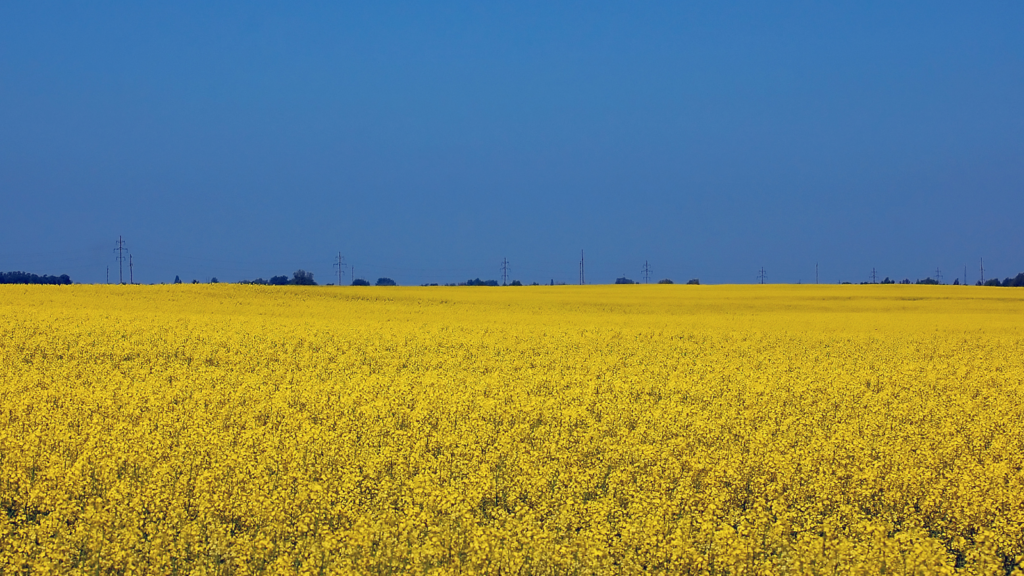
536,430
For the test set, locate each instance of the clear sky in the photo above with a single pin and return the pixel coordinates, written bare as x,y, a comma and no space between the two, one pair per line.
426,141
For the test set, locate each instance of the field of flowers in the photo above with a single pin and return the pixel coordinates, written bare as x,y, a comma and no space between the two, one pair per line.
219,429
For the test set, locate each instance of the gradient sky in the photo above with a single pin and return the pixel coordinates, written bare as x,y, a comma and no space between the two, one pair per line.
426,141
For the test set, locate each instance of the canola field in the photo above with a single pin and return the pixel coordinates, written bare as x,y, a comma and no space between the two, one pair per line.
224,429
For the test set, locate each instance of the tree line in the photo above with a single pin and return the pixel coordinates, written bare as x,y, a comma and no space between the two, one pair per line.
29,278
299,278
302,278
1016,281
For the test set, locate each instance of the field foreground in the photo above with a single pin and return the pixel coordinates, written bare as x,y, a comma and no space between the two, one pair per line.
536,430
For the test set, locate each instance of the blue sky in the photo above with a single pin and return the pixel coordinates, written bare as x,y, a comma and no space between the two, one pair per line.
426,141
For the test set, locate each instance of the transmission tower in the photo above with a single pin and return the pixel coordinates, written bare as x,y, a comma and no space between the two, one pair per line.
938,275
646,271
982,271
120,259
131,270
340,265
761,275
504,271
874,278
583,278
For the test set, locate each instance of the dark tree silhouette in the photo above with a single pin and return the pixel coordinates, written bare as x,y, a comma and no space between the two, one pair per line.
302,278
386,282
29,278
360,282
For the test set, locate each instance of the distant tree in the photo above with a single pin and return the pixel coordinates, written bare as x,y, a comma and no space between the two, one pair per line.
928,280
665,281
360,282
479,282
888,281
214,280
176,279
905,281
516,283
29,278
992,282
956,282
194,281
624,280
278,281
386,282
694,282
302,278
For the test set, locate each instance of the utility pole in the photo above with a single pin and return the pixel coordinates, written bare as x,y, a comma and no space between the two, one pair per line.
583,278
340,265
815,272
120,260
982,272
761,275
504,271
108,273
131,270
646,272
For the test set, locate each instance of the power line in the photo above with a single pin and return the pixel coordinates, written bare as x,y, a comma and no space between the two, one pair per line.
504,271
120,259
646,271
340,265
